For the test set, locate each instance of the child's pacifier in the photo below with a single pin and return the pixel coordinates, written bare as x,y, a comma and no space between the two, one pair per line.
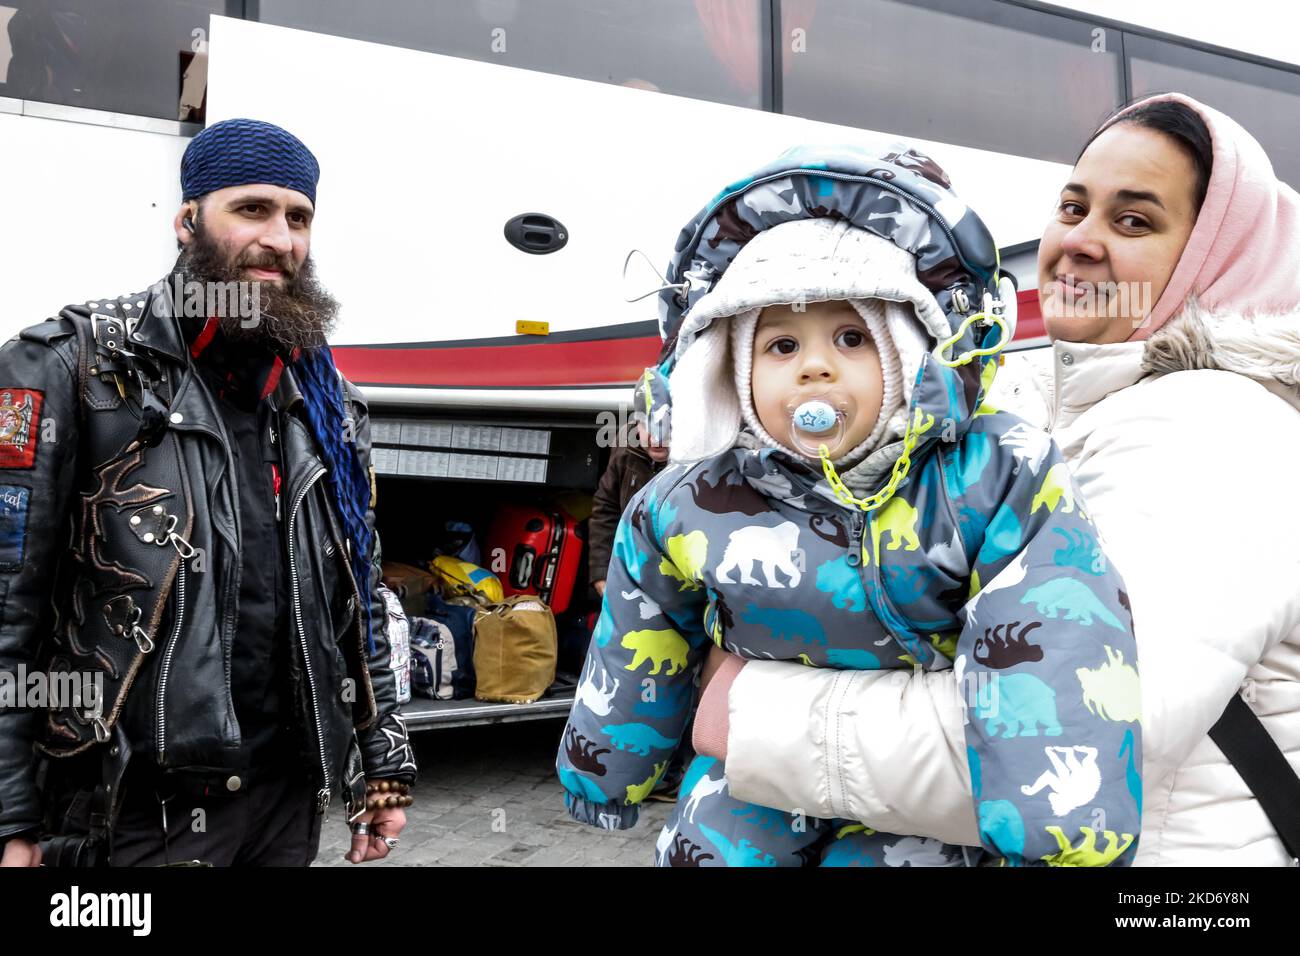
816,422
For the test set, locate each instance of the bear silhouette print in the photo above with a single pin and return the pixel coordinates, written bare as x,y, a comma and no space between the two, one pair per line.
770,549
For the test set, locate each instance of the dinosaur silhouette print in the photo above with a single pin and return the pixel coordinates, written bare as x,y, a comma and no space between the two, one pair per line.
999,651
637,738
1079,551
1113,690
743,853
1074,598
637,792
723,498
1086,853
785,623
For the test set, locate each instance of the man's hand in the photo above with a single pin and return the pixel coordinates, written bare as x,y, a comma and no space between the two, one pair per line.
600,587
20,852
383,823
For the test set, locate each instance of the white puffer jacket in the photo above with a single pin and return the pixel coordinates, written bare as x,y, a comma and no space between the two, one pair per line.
1187,450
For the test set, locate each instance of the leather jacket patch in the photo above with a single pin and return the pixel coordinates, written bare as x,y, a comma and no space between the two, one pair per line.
20,411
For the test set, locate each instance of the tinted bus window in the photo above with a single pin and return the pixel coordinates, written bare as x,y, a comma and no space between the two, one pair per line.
126,56
972,72
711,51
1266,101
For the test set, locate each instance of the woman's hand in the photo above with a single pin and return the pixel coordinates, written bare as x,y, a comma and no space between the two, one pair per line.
717,656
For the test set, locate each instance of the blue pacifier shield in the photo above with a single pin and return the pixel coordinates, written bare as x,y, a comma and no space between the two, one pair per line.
815,417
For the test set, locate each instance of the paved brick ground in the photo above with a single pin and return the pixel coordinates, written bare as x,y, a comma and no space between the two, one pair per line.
488,796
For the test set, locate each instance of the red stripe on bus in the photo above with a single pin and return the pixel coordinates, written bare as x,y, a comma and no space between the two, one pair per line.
612,362
561,365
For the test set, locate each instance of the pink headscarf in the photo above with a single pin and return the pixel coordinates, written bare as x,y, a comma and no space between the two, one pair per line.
1244,252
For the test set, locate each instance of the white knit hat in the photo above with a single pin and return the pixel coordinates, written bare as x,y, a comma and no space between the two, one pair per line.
805,260
743,329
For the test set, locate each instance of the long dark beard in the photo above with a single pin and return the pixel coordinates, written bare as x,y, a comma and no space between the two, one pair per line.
297,312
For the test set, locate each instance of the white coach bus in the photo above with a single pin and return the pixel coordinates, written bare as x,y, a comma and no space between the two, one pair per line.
605,125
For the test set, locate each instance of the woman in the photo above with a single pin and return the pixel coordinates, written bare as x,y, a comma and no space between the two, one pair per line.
1181,423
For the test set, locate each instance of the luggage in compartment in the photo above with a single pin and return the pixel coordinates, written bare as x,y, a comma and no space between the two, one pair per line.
461,576
459,623
541,550
441,666
410,584
514,650
399,644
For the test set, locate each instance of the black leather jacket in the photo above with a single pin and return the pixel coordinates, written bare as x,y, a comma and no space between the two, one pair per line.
122,552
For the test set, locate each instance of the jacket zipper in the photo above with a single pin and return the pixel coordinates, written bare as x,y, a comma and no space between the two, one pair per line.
858,532
166,666
322,795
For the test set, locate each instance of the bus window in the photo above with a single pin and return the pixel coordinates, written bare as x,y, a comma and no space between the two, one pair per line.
1265,100
971,72
714,52
124,56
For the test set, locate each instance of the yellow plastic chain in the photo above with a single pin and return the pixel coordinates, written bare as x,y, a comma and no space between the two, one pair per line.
914,428
896,475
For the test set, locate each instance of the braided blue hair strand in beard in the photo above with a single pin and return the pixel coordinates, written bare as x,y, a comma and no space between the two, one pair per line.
322,393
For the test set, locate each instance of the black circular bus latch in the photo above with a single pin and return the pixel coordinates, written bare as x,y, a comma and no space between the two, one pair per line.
536,233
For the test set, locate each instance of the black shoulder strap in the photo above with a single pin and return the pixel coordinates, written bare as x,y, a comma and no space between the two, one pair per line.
1244,741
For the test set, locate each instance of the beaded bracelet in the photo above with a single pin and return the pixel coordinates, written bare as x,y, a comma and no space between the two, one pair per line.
386,794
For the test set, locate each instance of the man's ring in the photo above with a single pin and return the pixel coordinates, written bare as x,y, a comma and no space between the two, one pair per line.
361,829
392,842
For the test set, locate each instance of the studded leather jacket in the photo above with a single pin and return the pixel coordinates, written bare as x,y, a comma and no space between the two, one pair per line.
120,563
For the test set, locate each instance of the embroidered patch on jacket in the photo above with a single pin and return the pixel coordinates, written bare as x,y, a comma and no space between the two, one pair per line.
20,410
14,500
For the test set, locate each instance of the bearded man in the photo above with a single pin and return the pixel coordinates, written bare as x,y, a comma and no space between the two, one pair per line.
188,553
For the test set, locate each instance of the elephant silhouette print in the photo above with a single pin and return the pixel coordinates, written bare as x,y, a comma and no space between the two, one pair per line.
1073,781
598,699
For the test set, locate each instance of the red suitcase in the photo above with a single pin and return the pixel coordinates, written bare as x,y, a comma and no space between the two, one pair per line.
542,551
